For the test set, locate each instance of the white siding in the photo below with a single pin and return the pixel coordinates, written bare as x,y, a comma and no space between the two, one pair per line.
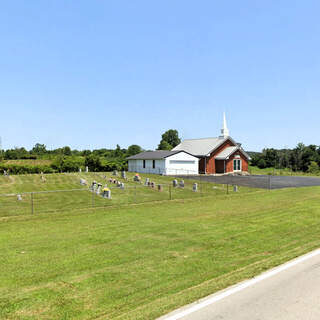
180,163
137,166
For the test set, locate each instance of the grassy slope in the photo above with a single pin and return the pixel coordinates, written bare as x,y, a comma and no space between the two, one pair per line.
23,162
142,261
133,193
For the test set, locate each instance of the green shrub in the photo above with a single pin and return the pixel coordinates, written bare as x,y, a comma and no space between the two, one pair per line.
313,167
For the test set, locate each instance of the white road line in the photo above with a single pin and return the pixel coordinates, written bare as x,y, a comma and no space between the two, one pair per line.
242,286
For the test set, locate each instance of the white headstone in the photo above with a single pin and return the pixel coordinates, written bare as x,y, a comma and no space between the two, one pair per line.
83,182
147,182
98,191
175,183
87,169
181,184
235,188
106,194
93,186
19,197
195,187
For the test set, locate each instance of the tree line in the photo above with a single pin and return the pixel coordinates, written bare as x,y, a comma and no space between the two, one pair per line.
66,159
301,158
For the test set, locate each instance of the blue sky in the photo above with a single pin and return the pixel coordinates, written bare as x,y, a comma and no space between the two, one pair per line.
91,74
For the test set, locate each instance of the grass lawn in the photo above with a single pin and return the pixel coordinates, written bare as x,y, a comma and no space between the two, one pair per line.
277,172
142,261
79,199
33,162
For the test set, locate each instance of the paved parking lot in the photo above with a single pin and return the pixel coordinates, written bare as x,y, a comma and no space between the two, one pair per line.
261,181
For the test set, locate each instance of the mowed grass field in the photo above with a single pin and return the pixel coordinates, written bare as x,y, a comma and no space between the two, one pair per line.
141,261
78,197
279,172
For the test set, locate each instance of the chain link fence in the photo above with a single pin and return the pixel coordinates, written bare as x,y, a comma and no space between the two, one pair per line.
132,193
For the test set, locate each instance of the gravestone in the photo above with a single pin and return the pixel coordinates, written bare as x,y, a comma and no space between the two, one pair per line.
123,175
115,173
93,186
136,178
5,172
122,185
181,184
106,193
80,170
175,183
235,188
195,187
160,187
147,182
19,197
118,184
99,188
87,169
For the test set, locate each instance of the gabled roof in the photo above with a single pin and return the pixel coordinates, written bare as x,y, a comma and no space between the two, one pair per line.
202,147
227,152
154,155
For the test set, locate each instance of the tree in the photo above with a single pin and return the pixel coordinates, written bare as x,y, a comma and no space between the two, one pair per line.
117,151
164,145
93,162
134,149
171,137
39,148
66,151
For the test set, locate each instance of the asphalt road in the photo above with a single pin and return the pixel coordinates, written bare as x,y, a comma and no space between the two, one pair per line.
290,294
261,181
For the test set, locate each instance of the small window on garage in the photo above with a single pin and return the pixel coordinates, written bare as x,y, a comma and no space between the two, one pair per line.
153,164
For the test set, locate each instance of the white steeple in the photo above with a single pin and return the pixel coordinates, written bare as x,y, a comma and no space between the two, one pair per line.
224,130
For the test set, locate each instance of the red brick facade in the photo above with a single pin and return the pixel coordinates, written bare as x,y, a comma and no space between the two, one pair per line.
210,165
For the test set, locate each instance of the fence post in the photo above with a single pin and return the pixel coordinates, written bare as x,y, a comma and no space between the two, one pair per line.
32,209
270,182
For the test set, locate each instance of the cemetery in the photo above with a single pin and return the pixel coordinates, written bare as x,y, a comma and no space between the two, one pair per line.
37,193
81,240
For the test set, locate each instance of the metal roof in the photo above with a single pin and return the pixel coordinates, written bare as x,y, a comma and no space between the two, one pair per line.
226,153
200,147
153,155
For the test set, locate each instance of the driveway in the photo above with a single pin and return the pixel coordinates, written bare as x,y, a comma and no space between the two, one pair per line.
261,181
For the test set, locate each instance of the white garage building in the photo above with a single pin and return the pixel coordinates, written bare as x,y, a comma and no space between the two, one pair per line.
164,162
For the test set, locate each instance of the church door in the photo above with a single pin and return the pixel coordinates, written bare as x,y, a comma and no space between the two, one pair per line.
237,165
